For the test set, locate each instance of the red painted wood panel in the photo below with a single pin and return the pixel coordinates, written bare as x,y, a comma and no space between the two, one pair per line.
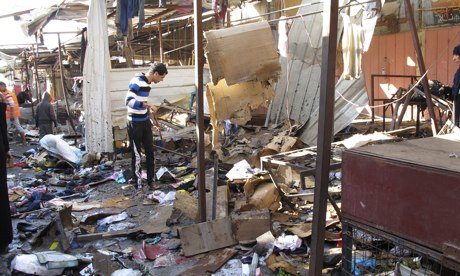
388,54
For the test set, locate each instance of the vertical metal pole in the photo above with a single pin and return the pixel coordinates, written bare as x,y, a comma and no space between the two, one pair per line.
325,127
56,96
61,71
160,37
37,83
28,87
372,98
214,185
199,60
150,49
421,65
347,248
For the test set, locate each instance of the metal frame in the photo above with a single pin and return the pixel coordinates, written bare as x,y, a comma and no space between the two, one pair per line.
413,79
348,224
299,153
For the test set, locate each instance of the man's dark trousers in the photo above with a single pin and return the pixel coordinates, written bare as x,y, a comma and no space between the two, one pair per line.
140,136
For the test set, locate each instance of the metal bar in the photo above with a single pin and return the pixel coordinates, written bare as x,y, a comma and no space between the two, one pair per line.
281,193
421,64
395,76
404,108
160,37
171,151
37,82
347,250
199,62
28,87
437,256
325,126
66,32
335,206
61,71
372,98
180,48
214,185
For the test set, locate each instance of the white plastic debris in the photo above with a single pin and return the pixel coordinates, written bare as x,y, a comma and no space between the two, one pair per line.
359,140
162,198
111,219
121,226
59,147
291,242
28,263
241,170
127,272
164,173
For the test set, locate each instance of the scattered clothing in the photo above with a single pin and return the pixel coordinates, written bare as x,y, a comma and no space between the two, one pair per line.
126,10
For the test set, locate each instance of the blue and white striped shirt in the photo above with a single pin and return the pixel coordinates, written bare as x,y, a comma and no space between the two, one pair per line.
138,92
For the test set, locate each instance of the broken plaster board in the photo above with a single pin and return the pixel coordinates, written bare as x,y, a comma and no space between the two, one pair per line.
234,103
253,43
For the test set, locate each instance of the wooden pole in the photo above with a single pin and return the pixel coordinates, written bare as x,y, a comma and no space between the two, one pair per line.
37,84
61,71
199,62
421,65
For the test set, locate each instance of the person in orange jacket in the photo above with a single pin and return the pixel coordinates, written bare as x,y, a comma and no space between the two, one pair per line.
12,112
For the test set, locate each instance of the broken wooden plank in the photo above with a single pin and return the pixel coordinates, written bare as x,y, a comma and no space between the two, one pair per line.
249,225
105,235
211,262
186,204
206,236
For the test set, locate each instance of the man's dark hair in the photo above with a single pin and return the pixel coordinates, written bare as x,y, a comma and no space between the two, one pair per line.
158,67
456,50
2,83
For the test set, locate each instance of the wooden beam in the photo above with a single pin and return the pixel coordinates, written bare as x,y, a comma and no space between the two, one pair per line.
199,63
421,65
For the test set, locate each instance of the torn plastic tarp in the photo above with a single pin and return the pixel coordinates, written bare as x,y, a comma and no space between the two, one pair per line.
59,147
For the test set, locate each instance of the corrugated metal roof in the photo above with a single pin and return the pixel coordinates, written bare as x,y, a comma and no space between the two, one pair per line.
297,90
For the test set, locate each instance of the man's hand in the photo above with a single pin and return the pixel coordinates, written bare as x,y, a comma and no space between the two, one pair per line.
146,104
9,156
153,109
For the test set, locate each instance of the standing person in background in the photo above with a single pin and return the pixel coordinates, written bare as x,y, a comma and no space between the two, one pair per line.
139,124
456,87
6,229
45,116
12,111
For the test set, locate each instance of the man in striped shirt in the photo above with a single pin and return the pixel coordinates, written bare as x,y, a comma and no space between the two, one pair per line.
139,124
